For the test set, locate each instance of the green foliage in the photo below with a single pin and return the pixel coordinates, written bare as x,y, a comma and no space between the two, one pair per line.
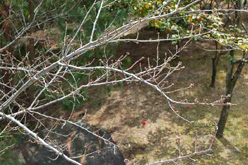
179,25
75,102
68,19
8,139
126,62
70,103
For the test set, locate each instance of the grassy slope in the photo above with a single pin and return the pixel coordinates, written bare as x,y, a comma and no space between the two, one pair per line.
125,109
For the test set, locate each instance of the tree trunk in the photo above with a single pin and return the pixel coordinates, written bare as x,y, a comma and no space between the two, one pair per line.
31,41
6,31
231,80
178,47
218,4
215,62
214,71
224,112
238,14
211,5
30,90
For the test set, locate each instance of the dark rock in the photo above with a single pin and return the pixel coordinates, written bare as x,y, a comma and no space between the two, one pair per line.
75,142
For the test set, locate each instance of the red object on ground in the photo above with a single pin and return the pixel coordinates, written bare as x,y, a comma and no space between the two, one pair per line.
199,19
189,106
143,123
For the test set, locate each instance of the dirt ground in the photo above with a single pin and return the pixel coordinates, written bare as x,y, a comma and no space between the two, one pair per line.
123,110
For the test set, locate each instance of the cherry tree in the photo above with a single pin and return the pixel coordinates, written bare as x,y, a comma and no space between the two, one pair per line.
52,75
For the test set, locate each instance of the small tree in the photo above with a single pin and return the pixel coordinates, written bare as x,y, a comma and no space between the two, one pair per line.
63,70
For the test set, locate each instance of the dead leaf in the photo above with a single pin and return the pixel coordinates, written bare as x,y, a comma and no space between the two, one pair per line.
68,142
82,160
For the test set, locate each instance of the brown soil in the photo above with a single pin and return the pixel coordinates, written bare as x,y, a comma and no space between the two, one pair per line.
124,109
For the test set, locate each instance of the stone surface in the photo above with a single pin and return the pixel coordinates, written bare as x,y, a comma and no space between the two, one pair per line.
76,142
